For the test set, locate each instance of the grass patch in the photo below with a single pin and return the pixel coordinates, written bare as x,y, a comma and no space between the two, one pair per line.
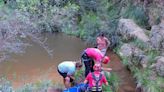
113,81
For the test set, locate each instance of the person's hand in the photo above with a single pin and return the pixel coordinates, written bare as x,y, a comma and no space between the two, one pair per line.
83,87
107,69
67,79
72,77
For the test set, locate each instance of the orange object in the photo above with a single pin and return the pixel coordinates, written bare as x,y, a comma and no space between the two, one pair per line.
106,60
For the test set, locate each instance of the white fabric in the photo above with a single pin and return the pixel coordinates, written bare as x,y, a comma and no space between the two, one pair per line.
67,67
103,51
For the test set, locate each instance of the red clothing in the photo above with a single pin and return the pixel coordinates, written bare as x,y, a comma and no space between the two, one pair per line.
94,54
91,80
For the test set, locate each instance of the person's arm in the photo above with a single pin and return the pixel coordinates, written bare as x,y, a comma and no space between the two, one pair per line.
106,83
87,78
105,80
107,42
85,81
98,41
71,76
106,69
70,73
84,87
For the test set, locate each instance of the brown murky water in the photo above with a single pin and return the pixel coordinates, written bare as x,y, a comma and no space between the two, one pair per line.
36,65
127,82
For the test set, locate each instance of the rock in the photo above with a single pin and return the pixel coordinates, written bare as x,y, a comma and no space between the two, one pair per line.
129,30
159,66
144,60
125,50
128,49
139,88
133,55
156,36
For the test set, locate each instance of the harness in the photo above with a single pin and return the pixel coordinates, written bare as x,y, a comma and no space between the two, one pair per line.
97,79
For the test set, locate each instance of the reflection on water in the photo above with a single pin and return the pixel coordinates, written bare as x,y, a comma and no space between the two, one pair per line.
35,64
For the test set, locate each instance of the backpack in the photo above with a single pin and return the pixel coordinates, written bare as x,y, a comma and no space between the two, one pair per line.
97,80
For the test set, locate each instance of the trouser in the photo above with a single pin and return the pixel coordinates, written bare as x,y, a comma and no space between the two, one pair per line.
88,67
64,75
88,62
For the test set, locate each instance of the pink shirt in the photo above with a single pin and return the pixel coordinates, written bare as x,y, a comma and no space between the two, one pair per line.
94,54
92,82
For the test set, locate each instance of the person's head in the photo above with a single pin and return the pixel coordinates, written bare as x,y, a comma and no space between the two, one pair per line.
101,34
97,67
79,65
106,59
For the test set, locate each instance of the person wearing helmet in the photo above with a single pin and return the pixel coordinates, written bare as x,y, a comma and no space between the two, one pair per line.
96,79
67,69
102,43
91,55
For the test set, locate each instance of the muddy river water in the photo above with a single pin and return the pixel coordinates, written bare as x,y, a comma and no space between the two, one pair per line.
36,64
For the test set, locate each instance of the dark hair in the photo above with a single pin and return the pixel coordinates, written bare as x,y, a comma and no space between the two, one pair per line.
79,64
101,34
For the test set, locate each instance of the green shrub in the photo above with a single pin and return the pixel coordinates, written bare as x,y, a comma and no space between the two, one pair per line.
39,86
137,13
144,78
1,3
140,44
113,81
5,85
152,53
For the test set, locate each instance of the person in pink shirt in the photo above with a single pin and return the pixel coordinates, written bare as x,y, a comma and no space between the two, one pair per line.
96,79
91,55
102,43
